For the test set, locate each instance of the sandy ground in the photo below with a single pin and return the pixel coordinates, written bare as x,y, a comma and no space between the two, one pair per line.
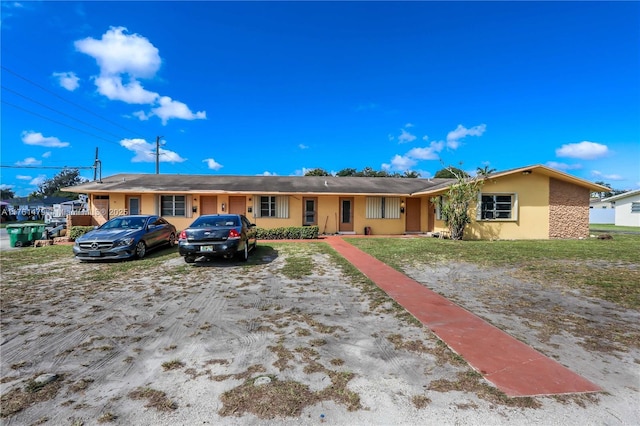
201,334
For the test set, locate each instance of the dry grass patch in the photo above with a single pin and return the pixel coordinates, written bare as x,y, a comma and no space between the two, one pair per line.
420,401
33,393
174,364
155,399
472,381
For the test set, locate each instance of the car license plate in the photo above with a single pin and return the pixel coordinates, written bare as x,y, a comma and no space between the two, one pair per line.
94,253
206,248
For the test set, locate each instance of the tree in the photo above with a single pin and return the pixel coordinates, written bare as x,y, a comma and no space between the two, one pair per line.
347,172
450,173
6,194
317,172
52,187
411,174
454,205
484,171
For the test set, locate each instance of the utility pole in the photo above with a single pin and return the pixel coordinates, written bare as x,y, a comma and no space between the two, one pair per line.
158,154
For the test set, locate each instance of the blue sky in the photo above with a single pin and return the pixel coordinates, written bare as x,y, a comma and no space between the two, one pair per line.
253,88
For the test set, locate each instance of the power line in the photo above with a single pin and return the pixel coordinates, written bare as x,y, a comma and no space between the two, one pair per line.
59,112
68,101
57,122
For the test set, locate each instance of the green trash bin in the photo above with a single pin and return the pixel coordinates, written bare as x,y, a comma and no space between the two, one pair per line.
36,231
18,235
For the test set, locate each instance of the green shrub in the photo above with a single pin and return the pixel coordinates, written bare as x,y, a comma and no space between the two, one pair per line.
79,231
290,233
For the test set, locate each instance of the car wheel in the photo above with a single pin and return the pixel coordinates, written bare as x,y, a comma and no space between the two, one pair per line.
190,259
244,254
172,240
141,249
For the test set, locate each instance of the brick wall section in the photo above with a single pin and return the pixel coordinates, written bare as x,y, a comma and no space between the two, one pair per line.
568,210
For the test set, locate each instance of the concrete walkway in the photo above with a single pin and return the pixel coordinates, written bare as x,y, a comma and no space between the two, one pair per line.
512,366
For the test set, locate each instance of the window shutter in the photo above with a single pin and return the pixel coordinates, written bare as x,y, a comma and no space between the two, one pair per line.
374,208
479,207
257,204
282,207
392,208
188,203
514,208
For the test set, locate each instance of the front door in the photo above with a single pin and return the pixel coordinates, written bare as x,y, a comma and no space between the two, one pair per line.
101,208
310,214
208,205
134,205
412,216
238,205
346,215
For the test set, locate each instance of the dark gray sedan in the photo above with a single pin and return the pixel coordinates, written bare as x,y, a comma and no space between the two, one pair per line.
219,235
125,237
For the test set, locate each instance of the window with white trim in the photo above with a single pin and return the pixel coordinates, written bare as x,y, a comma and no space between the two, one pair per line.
497,207
174,205
383,208
272,206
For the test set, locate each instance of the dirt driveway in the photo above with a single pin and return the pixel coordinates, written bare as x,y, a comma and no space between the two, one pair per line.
293,337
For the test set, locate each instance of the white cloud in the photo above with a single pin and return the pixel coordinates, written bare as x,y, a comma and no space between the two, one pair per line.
454,137
268,174
23,177
405,137
427,153
408,125
37,181
145,152
174,109
599,174
563,166
132,93
120,53
125,58
29,161
303,146
37,139
46,154
584,150
68,80
212,164
431,152
142,116
399,162
5,186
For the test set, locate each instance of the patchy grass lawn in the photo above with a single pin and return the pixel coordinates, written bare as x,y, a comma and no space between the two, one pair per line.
608,268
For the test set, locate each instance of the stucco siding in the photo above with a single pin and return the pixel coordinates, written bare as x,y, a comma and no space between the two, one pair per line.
530,216
568,210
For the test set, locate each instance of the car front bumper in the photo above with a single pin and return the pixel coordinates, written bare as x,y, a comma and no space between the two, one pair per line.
120,252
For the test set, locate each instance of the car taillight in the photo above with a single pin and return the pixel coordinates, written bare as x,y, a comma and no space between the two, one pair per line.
233,235
183,235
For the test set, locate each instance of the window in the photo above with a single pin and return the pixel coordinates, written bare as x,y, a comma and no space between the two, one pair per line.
383,208
635,207
273,206
497,207
173,205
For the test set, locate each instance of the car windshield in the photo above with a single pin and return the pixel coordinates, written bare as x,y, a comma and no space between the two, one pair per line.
124,223
215,222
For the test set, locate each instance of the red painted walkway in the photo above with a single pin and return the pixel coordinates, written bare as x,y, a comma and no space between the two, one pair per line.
514,367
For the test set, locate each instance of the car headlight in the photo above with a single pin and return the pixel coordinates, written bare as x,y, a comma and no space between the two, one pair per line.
124,242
